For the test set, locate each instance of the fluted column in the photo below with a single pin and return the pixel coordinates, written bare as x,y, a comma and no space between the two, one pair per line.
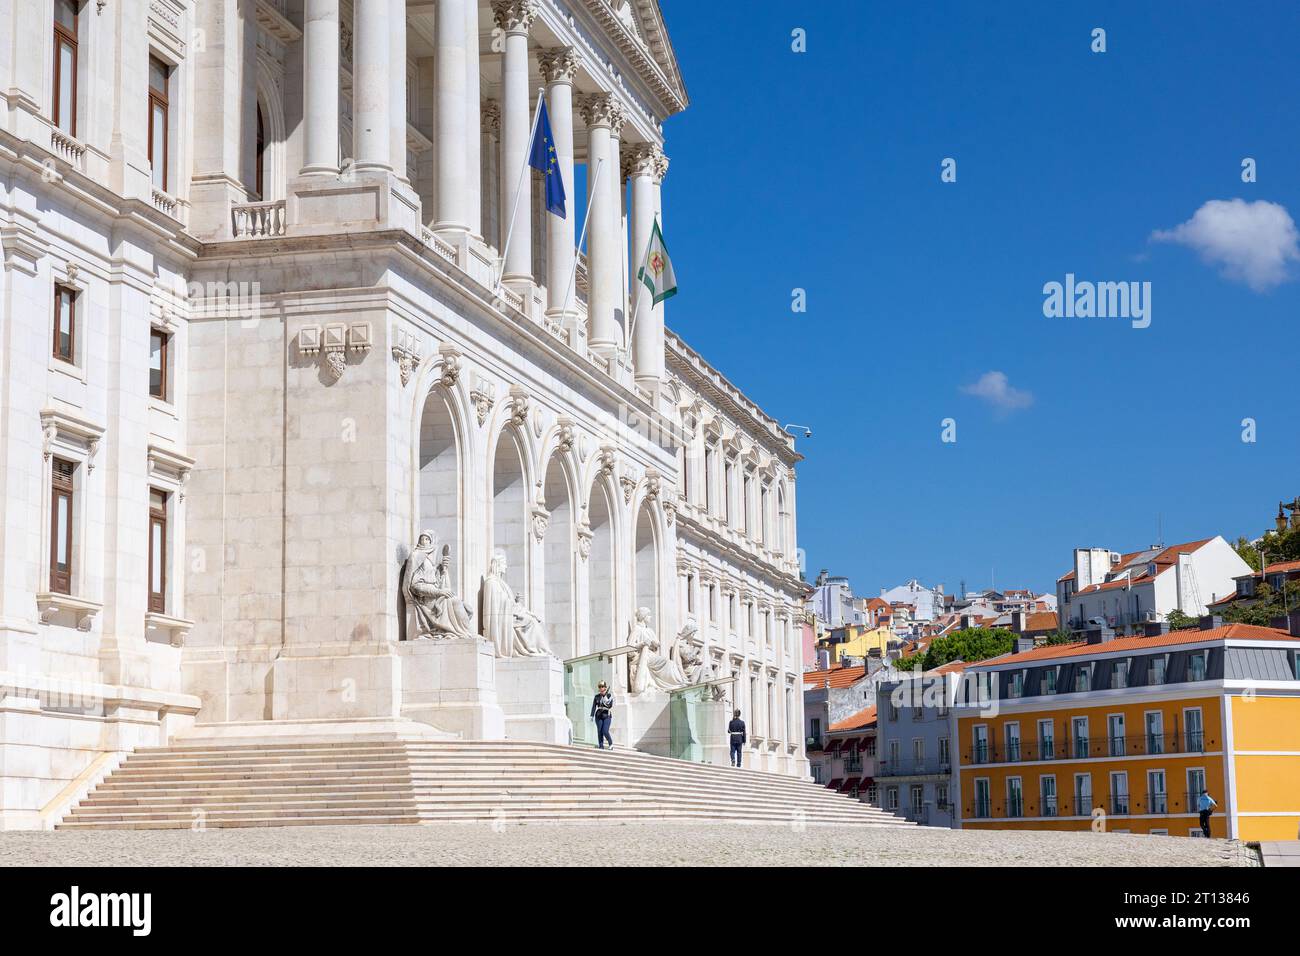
604,270
371,136
643,164
474,121
397,87
655,360
491,173
453,112
514,17
320,41
558,70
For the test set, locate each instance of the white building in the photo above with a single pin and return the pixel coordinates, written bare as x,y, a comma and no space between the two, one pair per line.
926,603
253,342
1128,590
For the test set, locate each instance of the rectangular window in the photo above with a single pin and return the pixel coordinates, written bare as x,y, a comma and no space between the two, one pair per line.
981,744
1157,670
747,491
1196,666
1157,797
1049,682
1195,787
1115,731
65,66
983,805
945,756
157,551
1046,740
727,470
1012,739
1155,722
1083,679
1081,743
918,798
891,798
1018,684
1047,795
65,323
918,753
61,517
158,121
1082,794
1119,676
1119,792
1015,798
709,503
941,796
158,347
1195,731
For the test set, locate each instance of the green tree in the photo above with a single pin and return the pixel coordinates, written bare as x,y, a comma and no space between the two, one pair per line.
1062,636
971,645
1178,621
1247,552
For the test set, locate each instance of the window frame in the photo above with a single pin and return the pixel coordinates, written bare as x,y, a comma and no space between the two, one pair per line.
60,290
62,487
63,36
157,600
160,98
165,356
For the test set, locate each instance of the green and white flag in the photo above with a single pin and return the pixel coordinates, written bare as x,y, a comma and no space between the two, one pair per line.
656,272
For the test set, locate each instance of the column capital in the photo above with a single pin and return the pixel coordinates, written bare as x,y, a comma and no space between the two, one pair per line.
645,160
603,110
514,16
559,64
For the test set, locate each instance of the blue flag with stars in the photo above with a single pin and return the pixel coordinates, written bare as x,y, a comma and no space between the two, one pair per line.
546,161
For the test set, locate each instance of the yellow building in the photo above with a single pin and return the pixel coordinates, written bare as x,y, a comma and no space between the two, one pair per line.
856,640
1125,734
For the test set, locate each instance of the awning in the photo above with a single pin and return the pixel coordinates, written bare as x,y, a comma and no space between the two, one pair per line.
834,784
849,783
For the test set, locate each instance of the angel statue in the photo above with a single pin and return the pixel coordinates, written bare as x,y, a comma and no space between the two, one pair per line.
426,586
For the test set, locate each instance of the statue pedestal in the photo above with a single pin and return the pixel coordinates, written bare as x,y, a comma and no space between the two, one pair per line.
642,723
451,685
531,691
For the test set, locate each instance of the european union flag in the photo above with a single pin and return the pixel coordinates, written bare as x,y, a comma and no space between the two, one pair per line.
546,161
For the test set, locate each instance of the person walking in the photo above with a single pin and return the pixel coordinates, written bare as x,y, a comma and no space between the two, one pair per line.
602,706
1206,805
738,737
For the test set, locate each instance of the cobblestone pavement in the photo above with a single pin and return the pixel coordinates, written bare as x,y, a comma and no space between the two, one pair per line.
634,844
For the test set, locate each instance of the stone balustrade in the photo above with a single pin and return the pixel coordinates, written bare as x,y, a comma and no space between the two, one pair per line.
257,220
67,148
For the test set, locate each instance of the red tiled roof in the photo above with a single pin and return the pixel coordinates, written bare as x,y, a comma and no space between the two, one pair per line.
837,676
1282,567
863,718
1239,632
1042,621
952,667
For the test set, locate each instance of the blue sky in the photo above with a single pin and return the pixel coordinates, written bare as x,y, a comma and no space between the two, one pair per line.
821,171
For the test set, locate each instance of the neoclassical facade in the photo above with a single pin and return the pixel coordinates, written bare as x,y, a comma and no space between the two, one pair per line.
277,297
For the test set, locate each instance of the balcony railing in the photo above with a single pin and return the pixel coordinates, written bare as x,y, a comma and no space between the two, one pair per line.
1119,804
1049,806
1015,806
258,220
913,767
1084,748
1082,805
1157,802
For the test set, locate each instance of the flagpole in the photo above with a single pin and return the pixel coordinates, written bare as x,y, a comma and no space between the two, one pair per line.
591,197
640,285
519,191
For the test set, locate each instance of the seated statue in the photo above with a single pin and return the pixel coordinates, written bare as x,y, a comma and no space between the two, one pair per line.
650,668
426,586
513,630
695,662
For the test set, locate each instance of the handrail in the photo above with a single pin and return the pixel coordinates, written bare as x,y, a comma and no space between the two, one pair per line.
621,651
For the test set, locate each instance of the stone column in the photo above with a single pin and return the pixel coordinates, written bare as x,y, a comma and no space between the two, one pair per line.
370,85
558,69
320,43
618,183
491,173
514,17
647,335
604,270
474,121
453,153
397,87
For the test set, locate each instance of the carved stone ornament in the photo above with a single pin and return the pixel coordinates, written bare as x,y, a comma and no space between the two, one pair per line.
514,16
406,350
337,363
450,366
559,65
483,395
335,345
518,406
541,521
607,461
670,512
651,485
584,541
602,109
565,436
629,486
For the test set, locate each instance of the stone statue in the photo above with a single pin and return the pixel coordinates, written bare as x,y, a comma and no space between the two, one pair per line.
695,663
426,586
513,630
651,669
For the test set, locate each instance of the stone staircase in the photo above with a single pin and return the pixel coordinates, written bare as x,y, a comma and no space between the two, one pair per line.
394,781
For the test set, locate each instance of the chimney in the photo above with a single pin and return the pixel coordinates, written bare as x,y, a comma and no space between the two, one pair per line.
1022,644
1018,621
1287,622
1210,621
1099,634
1155,628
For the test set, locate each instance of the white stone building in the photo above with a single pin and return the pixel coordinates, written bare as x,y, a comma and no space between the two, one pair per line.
253,340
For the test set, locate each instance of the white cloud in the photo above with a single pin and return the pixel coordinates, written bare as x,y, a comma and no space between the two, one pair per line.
993,388
1251,241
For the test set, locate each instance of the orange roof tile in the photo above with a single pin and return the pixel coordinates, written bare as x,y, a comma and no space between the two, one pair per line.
837,676
863,718
1239,632
1042,621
